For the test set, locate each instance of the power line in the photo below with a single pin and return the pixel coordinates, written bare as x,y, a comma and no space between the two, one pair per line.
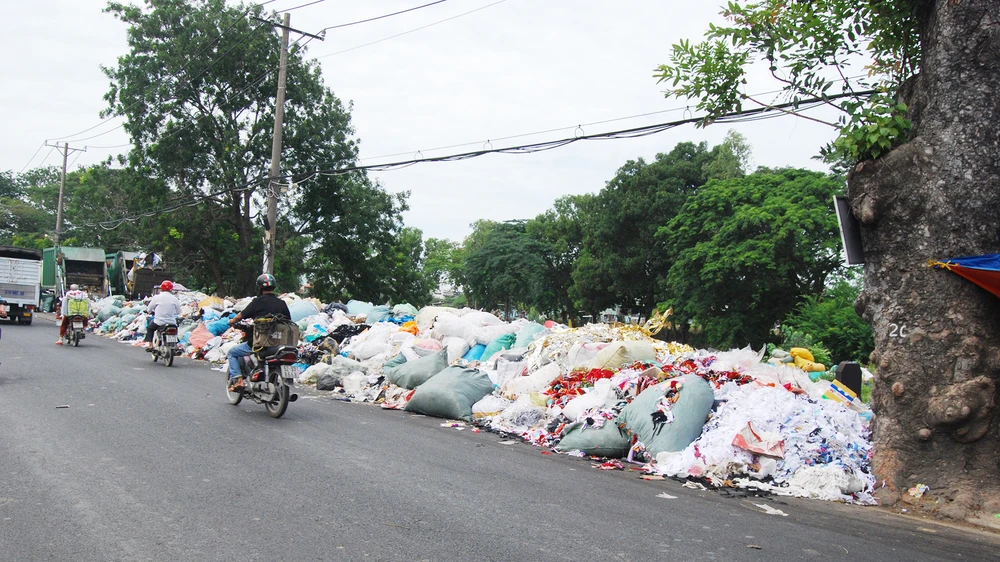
557,129
47,154
410,31
30,160
303,5
772,111
383,16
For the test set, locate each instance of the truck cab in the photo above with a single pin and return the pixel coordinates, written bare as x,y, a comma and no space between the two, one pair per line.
20,283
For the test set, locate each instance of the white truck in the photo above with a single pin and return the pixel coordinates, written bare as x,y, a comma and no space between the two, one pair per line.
20,283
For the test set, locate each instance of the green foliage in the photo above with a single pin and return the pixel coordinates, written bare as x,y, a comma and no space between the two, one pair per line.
198,100
361,249
560,230
746,251
506,267
873,130
444,262
624,259
810,48
830,318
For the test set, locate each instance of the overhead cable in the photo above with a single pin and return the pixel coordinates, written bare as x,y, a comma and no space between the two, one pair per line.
769,111
382,16
410,31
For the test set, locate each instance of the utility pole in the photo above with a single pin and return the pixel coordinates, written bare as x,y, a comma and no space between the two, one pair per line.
62,184
279,117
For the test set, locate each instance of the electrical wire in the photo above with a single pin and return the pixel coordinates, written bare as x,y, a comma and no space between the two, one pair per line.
47,154
74,160
546,131
383,16
30,160
410,31
771,111
303,5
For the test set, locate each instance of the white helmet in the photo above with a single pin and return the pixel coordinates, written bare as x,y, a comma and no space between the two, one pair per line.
74,287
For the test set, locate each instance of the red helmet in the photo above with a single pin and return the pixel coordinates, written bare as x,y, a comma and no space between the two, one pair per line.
167,285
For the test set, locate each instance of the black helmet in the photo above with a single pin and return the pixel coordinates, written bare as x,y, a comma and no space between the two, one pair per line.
266,282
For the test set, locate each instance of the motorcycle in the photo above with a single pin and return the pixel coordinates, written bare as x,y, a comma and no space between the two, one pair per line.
165,344
268,377
76,330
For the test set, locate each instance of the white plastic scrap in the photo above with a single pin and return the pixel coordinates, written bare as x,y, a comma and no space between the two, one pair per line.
824,440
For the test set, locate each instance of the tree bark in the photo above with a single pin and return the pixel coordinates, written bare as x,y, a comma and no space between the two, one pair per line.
937,336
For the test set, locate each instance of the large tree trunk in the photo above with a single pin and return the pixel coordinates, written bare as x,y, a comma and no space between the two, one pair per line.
937,336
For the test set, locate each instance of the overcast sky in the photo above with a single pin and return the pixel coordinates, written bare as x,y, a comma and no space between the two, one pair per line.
510,68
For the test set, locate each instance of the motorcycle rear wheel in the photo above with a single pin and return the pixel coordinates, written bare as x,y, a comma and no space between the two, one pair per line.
234,397
168,359
76,339
277,408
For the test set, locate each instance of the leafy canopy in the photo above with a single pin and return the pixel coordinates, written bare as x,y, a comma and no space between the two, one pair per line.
746,251
812,49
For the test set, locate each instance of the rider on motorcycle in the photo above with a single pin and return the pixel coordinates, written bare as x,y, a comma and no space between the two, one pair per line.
267,304
165,308
80,297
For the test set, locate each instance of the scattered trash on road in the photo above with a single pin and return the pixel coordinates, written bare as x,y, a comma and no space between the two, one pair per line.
770,510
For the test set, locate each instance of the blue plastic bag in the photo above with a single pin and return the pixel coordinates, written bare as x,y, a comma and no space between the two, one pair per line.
475,353
218,327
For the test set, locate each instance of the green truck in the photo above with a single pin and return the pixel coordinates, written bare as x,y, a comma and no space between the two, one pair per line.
63,266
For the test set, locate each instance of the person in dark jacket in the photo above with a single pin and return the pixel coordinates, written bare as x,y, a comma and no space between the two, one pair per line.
267,304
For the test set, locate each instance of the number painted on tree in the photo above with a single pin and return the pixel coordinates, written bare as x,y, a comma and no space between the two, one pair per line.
897,330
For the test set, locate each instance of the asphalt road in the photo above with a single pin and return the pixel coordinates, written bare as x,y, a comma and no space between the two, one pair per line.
152,463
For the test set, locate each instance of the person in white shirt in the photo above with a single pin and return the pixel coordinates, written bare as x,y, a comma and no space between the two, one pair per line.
165,308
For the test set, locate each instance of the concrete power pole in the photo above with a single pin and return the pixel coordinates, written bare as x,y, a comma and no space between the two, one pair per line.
272,184
62,186
273,187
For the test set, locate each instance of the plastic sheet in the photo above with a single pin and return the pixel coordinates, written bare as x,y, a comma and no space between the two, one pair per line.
534,382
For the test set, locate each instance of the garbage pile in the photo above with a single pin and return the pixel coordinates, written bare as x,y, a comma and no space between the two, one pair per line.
726,419
607,392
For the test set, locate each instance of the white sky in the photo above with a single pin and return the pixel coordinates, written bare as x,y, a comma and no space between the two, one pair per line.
516,67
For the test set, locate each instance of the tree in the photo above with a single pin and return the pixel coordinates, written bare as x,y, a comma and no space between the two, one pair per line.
745,252
561,230
731,159
197,91
923,153
444,262
28,207
830,318
356,243
507,268
623,262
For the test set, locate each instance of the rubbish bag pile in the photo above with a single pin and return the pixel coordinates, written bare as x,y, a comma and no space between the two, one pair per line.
726,419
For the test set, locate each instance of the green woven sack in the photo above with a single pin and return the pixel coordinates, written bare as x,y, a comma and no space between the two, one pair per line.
451,393
607,441
690,412
412,374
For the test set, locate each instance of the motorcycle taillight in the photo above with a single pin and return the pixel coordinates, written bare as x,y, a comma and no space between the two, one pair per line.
171,331
290,357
